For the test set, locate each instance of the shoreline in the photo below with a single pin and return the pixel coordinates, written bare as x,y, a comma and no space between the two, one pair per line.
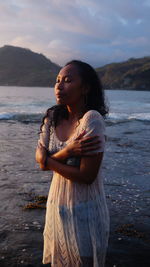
51,87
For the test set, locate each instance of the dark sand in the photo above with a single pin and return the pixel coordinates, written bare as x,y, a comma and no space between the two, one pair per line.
126,170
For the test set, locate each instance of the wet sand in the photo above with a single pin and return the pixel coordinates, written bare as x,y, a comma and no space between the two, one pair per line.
126,169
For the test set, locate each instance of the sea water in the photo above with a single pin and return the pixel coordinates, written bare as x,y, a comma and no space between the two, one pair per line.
30,103
126,169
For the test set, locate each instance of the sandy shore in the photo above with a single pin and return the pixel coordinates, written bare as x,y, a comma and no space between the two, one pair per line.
126,169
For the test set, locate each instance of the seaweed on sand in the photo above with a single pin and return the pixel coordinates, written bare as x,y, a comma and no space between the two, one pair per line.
38,202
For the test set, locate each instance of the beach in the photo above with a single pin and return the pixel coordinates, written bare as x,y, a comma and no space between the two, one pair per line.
24,187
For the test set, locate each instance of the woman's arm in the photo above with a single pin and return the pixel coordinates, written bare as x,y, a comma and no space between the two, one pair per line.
60,156
79,147
89,165
86,173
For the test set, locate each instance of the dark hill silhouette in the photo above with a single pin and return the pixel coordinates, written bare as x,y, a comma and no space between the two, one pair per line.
22,67
132,74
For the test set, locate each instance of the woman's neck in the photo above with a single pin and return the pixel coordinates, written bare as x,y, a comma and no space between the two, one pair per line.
75,112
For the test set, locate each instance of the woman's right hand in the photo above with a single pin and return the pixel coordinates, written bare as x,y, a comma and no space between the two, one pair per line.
83,146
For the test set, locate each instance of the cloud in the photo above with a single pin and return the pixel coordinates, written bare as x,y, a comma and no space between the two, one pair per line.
92,30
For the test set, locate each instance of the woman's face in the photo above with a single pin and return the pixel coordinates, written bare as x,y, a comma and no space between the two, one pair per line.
68,87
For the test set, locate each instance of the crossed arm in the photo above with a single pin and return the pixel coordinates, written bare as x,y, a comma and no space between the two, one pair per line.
83,147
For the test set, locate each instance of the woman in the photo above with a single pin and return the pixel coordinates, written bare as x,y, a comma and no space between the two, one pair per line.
71,144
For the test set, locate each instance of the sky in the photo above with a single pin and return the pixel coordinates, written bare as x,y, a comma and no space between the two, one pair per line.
96,31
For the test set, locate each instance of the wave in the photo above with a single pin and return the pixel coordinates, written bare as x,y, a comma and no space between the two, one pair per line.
125,117
21,117
37,117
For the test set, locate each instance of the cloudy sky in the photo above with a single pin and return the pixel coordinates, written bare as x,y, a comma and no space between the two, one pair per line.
96,31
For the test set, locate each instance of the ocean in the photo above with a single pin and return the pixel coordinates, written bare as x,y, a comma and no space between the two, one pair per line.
126,171
27,104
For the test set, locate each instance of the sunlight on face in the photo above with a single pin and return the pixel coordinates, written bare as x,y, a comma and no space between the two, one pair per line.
68,87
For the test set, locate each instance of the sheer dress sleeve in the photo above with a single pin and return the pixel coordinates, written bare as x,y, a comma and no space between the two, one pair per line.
45,134
93,124
44,137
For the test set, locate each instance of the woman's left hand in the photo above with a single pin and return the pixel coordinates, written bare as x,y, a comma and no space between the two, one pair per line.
40,154
83,146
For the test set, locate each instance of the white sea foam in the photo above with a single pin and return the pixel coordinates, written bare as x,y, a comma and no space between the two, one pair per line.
140,116
24,117
117,117
36,117
5,116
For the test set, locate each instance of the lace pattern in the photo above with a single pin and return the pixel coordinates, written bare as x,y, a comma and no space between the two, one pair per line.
77,220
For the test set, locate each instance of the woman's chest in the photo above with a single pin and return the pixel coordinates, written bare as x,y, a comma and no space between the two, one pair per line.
58,139
65,130
54,143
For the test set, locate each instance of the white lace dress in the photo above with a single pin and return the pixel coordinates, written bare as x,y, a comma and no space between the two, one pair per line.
77,220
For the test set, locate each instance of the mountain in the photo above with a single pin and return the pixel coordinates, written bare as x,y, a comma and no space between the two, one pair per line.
22,67
133,74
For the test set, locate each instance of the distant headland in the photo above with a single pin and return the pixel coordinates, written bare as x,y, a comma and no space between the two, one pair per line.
133,74
23,67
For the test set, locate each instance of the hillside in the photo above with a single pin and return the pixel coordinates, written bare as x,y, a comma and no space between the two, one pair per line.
22,67
133,74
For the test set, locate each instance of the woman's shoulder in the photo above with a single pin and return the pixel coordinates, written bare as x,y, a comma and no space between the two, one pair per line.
92,115
93,121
